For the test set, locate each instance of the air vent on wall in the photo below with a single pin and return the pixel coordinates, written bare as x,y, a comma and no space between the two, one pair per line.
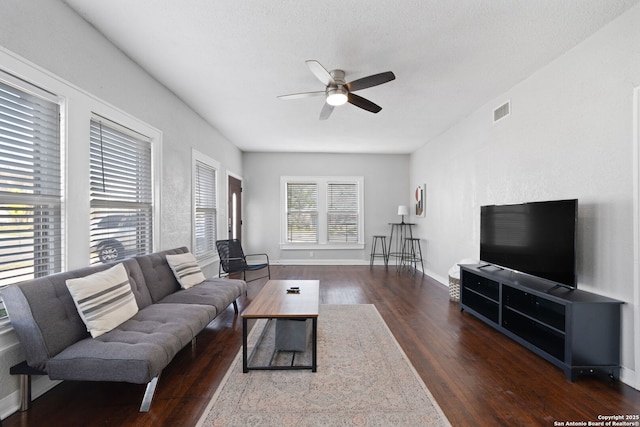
502,111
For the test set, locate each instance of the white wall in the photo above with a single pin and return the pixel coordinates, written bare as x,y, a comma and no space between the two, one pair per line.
44,41
570,135
59,41
386,183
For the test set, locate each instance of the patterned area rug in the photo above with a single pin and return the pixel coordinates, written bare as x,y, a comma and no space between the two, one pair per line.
363,379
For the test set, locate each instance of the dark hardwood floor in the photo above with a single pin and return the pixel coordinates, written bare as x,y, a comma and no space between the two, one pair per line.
478,376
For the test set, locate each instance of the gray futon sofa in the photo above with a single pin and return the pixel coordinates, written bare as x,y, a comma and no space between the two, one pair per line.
56,342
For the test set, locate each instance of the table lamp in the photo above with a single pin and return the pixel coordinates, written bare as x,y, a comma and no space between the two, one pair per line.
403,210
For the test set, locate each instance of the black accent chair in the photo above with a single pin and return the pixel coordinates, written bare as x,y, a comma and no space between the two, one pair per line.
234,260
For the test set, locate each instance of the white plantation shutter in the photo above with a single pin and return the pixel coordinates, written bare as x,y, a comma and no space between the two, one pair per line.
30,185
121,195
302,212
342,213
206,209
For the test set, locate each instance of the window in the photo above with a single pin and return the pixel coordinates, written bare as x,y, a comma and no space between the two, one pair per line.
342,212
302,212
205,205
30,184
322,212
121,211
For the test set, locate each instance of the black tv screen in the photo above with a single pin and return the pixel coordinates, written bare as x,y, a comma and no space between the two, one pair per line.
536,238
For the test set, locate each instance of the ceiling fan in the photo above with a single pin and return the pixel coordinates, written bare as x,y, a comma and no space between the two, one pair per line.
338,92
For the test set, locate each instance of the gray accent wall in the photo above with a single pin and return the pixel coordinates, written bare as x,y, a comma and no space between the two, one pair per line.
386,185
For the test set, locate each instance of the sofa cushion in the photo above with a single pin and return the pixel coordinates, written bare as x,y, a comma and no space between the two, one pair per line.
104,299
157,273
45,317
137,350
186,269
216,292
137,282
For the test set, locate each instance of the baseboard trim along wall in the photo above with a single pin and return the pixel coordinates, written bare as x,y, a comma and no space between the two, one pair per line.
39,386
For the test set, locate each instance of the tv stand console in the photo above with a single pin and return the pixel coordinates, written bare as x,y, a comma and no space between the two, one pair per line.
575,330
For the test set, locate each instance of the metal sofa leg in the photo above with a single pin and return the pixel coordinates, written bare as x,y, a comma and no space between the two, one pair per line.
235,306
148,394
25,372
25,392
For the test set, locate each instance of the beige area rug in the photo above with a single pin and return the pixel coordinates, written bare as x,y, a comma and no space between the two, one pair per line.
363,379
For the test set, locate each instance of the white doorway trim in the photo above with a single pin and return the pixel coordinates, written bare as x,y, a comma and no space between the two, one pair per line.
636,240
229,213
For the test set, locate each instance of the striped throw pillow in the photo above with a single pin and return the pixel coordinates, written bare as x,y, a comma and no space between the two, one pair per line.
186,269
104,300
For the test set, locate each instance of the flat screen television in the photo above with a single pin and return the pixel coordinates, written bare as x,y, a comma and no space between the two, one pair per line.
537,238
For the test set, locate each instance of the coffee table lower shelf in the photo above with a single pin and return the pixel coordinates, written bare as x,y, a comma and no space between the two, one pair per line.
247,358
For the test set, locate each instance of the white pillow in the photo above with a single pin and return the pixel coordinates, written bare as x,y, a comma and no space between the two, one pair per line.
186,269
104,300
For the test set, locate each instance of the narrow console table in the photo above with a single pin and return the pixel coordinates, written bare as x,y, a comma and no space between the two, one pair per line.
575,330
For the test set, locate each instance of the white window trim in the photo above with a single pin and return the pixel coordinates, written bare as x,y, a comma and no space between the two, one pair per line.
7,338
197,156
322,182
135,134
76,108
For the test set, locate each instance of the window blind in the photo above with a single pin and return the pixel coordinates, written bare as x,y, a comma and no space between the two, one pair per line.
30,187
205,209
121,195
342,213
302,212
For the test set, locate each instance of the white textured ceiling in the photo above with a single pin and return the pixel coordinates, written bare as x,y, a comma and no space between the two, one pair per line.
230,59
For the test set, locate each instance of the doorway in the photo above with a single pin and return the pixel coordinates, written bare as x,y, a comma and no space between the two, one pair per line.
234,220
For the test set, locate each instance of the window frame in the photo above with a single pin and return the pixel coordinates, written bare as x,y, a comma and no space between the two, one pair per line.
315,190
322,183
335,213
109,200
196,156
76,109
57,200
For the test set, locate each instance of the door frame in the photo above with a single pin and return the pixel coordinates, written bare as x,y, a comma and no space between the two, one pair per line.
636,234
229,213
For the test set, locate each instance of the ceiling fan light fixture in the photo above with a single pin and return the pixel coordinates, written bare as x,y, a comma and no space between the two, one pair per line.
337,96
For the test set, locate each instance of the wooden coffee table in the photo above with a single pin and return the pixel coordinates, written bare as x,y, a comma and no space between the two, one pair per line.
273,302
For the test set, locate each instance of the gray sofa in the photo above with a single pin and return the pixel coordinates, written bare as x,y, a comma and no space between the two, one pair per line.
56,342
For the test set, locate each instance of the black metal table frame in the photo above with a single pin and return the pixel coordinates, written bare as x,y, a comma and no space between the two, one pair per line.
246,360
401,234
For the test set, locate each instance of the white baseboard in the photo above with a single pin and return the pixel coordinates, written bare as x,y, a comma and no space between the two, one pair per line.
442,280
629,377
323,262
39,386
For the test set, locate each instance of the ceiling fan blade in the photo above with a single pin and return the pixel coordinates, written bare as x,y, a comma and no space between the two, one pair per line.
369,81
302,95
365,104
326,111
320,72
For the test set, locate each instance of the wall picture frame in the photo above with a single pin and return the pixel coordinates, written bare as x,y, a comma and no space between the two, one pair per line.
419,200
